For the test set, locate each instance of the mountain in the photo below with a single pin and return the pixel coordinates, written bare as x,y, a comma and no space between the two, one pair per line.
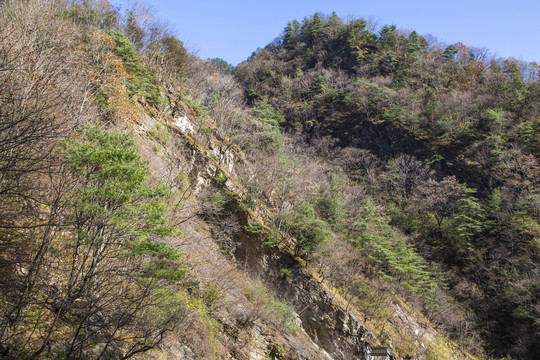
443,141
346,190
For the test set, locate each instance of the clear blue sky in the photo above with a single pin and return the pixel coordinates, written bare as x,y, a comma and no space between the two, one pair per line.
233,29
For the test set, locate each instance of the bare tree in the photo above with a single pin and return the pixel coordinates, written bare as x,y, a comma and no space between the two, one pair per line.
404,175
44,96
439,198
43,92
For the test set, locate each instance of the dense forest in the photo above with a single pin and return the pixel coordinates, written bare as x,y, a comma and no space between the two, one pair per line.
139,182
442,144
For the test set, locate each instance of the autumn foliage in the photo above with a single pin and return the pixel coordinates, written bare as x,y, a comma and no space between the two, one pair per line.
110,78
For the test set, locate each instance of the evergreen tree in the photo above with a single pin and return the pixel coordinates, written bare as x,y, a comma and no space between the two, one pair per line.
316,25
288,35
450,52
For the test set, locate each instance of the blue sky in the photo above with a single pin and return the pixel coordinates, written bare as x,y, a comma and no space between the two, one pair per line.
233,29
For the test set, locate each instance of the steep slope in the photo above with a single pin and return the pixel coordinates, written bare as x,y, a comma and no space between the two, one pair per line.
445,142
147,212
323,316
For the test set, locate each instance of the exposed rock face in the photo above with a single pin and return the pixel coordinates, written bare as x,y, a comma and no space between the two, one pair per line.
328,327
183,123
327,331
336,331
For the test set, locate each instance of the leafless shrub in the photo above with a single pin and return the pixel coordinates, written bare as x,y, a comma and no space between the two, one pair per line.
42,82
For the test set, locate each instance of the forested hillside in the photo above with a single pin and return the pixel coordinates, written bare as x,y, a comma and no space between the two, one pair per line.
347,186
442,143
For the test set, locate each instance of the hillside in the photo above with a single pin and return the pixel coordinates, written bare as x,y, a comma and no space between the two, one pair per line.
443,141
346,187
